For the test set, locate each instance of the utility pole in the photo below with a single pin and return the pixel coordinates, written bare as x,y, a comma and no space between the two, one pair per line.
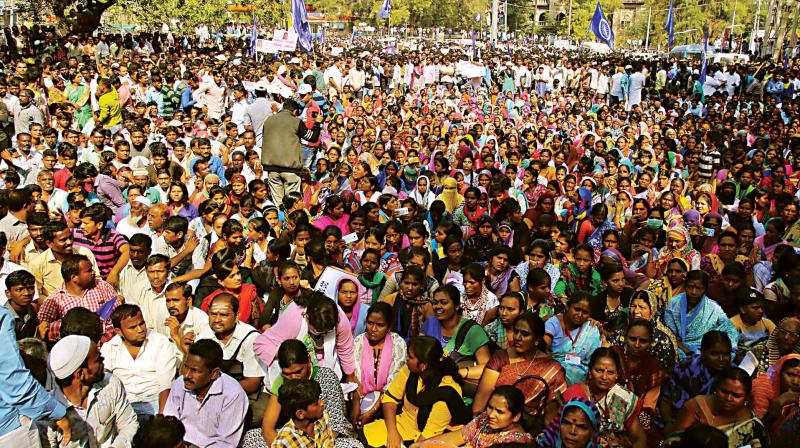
647,36
569,20
755,28
494,21
733,26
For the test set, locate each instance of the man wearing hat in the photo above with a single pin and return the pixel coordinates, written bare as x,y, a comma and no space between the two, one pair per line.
258,111
100,413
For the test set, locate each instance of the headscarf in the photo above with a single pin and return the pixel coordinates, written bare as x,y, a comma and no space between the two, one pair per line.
581,211
451,199
382,177
684,251
423,199
767,386
772,343
551,436
634,279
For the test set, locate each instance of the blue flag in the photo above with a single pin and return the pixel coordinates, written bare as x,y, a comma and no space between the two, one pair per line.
670,25
353,36
478,18
386,9
253,37
322,37
600,27
704,68
474,49
300,23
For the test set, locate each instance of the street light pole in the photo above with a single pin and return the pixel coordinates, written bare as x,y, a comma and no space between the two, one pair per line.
494,21
569,20
647,36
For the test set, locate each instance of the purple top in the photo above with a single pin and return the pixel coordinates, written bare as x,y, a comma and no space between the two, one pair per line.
109,190
216,421
188,211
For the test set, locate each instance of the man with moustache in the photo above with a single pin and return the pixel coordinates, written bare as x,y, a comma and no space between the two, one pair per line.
185,321
142,359
99,411
210,404
236,339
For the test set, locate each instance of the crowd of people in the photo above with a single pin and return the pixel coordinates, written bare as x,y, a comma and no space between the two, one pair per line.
412,246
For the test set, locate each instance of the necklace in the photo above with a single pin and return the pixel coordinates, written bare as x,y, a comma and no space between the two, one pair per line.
516,368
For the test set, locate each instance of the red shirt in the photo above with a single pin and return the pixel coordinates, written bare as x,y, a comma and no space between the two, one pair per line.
61,177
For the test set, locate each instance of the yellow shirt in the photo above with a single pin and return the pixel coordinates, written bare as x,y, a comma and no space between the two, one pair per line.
438,421
47,270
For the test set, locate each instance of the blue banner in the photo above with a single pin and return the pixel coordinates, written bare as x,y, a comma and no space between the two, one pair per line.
600,27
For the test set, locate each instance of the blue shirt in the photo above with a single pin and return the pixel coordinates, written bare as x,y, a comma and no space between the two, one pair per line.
216,167
20,393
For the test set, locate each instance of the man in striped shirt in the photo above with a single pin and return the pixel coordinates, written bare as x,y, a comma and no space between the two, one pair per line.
110,248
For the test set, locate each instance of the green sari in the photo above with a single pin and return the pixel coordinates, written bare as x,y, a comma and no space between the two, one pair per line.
79,95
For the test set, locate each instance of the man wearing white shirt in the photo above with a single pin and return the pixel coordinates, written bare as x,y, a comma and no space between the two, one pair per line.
333,77
636,86
157,269
185,321
142,359
133,276
236,339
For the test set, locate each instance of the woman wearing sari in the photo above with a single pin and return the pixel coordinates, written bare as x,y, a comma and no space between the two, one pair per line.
422,194
772,238
679,245
783,341
538,257
694,375
619,407
578,426
380,354
725,409
642,373
571,338
501,423
500,276
348,294
77,93
510,366
713,264
663,344
776,393
692,314
671,284
578,275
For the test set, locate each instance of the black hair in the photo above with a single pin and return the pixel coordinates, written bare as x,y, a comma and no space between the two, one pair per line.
222,263
385,310
297,395
518,296
428,350
124,311
159,431
605,352
155,259
715,337
19,277
475,271
292,351
70,266
321,312
209,351
642,323
698,275
735,374
452,293
83,322
177,224
141,239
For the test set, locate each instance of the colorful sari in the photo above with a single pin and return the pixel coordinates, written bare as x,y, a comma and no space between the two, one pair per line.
767,389
690,326
478,435
619,410
551,436
572,281
79,95
689,379
573,350
749,432
513,374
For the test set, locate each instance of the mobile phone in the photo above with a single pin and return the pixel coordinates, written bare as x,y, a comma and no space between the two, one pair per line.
401,211
350,238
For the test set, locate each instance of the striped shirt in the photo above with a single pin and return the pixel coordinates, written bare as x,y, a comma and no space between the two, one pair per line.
106,251
708,162
56,306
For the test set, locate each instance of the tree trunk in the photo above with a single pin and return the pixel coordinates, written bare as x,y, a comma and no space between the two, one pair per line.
87,20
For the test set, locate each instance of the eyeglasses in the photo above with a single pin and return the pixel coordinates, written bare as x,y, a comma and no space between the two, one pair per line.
794,334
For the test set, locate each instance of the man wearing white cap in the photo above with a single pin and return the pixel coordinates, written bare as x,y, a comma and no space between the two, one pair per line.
258,111
136,221
100,413
21,396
